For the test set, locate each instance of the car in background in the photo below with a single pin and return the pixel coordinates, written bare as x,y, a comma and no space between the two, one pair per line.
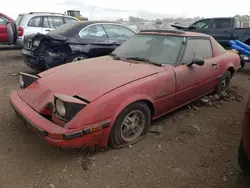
73,42
39,22
4,19
222,29
244,146
112,99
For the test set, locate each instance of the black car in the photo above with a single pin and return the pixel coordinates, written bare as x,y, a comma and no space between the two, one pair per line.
73,42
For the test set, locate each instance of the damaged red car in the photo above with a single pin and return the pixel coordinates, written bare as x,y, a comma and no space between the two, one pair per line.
111,100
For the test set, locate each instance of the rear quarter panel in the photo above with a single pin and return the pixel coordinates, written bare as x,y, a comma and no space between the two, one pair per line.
226,60
229,61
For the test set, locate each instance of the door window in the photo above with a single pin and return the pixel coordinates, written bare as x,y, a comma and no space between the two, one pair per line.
117,31
55,21
93,31
46,22
221,24
3,20
35,21
203,24
200,48
67,20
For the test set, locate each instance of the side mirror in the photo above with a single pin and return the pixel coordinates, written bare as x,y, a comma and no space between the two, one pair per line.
197,61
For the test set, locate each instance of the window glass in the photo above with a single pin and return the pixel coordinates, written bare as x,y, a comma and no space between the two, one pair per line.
19,19
55,21
238,24
67,20
221,24
117,31
93,31
3,20
220,49
35,21
45,22
161,49
203,24
200,48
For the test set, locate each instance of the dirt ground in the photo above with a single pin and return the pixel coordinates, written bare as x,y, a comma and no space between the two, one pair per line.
197,148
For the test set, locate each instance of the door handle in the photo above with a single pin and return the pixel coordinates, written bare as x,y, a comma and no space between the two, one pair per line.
214,64
47,30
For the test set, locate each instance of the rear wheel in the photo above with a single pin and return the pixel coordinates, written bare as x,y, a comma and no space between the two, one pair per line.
224,83
131,125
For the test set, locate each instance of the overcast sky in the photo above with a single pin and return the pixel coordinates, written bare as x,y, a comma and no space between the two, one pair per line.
115,9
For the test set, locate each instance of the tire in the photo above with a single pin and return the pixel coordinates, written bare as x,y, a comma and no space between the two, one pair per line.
243,160
117,137
12,32
76,57
224,84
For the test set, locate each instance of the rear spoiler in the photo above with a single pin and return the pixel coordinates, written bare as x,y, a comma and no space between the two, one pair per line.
179,27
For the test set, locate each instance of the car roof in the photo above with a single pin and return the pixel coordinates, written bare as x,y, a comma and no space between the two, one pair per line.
98,22
71,29
33,14
174,33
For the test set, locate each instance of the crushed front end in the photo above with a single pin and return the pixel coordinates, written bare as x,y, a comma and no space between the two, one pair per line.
48,114
42,52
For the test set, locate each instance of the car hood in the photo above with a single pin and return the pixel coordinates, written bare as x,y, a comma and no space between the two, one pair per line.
92,78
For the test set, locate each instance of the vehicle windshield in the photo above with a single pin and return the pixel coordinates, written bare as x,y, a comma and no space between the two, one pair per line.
160,49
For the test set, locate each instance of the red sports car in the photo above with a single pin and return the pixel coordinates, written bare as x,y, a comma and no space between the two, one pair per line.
112,99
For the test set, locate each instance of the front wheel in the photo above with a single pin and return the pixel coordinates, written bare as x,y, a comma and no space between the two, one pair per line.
131,124
224,83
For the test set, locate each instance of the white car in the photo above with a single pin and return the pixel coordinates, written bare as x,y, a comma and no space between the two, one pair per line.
39,22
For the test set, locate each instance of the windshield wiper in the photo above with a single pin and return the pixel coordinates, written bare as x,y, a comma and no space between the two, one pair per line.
116,57
144,60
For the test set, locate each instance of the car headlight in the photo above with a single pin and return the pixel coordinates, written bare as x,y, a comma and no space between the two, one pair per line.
36,43
60,108
66,107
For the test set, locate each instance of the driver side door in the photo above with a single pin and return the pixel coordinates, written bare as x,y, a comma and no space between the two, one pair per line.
194,81
3,29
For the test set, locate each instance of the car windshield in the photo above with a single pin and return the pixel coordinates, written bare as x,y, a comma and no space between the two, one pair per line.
160,49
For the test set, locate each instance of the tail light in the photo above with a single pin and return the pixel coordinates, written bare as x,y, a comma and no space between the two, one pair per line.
20,31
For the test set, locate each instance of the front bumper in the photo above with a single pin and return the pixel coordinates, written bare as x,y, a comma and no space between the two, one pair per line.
65,138
19,42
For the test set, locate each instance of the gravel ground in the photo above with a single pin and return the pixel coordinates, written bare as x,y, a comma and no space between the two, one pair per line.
197,147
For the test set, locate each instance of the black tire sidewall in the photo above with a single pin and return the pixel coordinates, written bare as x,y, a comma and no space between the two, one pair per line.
243,160
115,139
